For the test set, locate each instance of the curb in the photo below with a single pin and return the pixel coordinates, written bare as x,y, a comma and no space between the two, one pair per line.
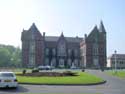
90,84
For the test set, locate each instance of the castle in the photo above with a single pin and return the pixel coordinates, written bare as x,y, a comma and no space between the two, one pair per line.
64,52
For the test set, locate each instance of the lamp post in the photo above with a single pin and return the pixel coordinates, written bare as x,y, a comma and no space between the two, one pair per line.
115,61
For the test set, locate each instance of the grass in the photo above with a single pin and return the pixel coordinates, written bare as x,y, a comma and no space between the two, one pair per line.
120,74
83,78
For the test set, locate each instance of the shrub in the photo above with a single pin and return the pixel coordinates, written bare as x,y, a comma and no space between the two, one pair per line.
83,70
35,70
69,73
24,71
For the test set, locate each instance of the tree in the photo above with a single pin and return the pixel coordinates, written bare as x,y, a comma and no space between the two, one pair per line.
10,56
16,58
4,57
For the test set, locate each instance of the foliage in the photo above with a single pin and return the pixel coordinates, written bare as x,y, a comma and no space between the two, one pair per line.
83,70
24,71
70,73
35,70
10,56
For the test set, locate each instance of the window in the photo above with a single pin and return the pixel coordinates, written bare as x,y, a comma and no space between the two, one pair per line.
95,49
69,52
32,47
61,62
69,62
31,59
113,62
76,52
54,51
47,51
53,62
6,75
62,49
76,62
32,53
46,61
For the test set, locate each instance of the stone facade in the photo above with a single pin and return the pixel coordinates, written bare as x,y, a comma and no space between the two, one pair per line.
32,47
119,59
93,48
64,52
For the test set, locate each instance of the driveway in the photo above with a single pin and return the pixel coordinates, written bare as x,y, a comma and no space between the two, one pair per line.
114,85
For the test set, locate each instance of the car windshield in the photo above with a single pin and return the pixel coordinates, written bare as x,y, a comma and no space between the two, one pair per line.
6,75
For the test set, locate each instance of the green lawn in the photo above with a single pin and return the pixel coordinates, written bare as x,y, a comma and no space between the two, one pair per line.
120,74
83,78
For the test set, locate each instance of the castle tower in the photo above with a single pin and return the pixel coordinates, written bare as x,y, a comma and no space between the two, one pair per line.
32,47
102,45
94,48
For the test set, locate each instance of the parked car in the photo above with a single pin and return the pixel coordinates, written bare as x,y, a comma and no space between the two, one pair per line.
8,79
44,68
73,67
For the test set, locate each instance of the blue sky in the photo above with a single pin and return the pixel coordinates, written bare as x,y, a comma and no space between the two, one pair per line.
73,17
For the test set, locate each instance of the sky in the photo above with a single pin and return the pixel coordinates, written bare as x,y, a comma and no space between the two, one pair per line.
72,17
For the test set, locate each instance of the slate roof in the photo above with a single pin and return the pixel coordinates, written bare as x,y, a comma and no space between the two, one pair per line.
121,56
68,39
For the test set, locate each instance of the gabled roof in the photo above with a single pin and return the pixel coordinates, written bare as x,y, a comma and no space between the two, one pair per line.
62,37
33,28
94,34
31,34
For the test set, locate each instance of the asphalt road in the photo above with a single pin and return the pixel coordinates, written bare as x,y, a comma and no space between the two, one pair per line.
114,85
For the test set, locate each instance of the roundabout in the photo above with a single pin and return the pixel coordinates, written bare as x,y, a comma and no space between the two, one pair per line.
59,78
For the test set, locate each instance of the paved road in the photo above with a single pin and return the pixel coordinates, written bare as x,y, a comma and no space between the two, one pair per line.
114,85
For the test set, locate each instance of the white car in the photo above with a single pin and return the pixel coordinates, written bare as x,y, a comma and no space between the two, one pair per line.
44,68
8,79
